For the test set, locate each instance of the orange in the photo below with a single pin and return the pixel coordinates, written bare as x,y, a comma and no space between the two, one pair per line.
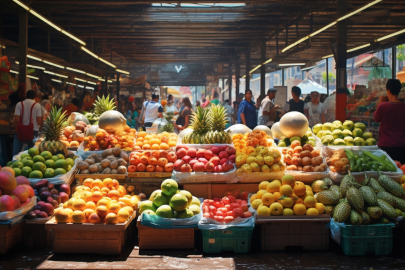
129,209
90,205
114,194
95,189
94,218
122,215
142,134
88,212
86,195
78,217
88,182
116,184
101,211
103,202
121,204
146,146
277,195
108,182
155,146
172,144
114,208
111,218
79,204
260,193
299,189
299,209
97,183
125,200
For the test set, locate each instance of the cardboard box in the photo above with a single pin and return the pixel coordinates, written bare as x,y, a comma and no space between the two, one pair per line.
10,235
151,238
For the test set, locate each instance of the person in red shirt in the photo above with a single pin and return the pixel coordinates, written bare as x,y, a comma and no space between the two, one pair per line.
390,114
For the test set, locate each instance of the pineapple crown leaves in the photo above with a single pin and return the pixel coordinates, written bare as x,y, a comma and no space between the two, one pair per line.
217,114
200,120
104,104
54,124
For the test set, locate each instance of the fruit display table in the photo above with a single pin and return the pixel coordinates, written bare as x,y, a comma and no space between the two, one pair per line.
81,177
209,191
87,237
10,235
35,234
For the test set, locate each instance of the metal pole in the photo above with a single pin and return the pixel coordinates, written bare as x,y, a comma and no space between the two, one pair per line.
247,78
237,79
230,80
394,62
22,46
263,69
118,90
341,69
327,76
106,85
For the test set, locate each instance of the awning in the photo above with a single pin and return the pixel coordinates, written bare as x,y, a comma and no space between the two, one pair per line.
174,92
307,86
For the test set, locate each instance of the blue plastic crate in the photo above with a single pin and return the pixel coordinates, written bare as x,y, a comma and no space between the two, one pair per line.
367,231
236,239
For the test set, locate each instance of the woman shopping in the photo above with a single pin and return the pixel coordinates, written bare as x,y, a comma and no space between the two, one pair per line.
183,120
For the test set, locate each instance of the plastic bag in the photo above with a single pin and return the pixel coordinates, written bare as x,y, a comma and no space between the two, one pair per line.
57,180
170,223
257,177
211,224
16,215
359,176
335,230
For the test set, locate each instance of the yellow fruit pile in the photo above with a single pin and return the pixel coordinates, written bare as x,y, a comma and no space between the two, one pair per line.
259,159
253,139
285,198
104,140
98,201
162,141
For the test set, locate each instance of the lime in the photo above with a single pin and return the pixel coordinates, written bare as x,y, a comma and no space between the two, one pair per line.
17,171
50,163
28,163
46,155
33,151
26,171
17,164
36,174
39,166
38,158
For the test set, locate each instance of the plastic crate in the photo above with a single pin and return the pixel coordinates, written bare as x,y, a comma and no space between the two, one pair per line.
360,240
236,239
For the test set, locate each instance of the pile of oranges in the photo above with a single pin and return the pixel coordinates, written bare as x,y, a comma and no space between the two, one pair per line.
98,201
149,141
255,138
152,161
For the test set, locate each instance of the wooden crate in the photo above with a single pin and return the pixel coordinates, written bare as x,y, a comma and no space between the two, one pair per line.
151,238
209,191
10,235
81,177
165,175
88,238
305,234
35,234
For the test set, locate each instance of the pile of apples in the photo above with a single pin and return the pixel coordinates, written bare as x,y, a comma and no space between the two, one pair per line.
152,161
226,209
217,159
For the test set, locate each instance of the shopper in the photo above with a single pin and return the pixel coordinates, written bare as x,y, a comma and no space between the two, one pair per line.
229,113
215,99
170,107
153,111
314,110
45,107
390,115
295,104
247,111
329,107
132,116
183,120
197,104
72,107
267,111
27,118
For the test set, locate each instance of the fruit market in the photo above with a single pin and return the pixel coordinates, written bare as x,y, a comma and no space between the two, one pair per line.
224,135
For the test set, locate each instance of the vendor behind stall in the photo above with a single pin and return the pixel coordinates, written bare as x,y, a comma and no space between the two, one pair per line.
295,104
73,106
247,111
314,110
390,114
267,111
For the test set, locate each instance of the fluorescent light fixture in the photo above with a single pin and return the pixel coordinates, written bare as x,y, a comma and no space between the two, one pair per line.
55,80
327,56
88,87
37,67
255,68
291,64
359,47
110,81
81,86
93,83
55,74
307,68
53,64
244,76
323,29
13,71
390,35
21,5
45,20
70,83
97,57
93,76
76,70
34,58
295,43
32,77
268,61
359,10
122,71
78,79
2,46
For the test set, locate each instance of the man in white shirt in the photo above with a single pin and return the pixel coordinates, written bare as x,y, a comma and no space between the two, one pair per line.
171,107
329,107
314,110
267,111
36,119
153,110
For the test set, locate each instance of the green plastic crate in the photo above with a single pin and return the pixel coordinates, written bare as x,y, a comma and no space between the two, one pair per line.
358,240
236,239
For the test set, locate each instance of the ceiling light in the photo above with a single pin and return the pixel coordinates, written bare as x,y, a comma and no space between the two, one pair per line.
122,71
295,43
70,83
307,68
93,83
359,47
244,76
32,77
55,80
76,70
78,79
255,68
291,64
88,87
81,86
2,46
390,35
13,71
359,10
323,29
39,16
55,74
327,56
268,61
97,57
93,76
53,64
37,67
33,57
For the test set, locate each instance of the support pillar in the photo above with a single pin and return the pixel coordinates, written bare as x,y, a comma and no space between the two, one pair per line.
341,56
22,46
230,80
118,90
247,79
263,69
237,80
106,86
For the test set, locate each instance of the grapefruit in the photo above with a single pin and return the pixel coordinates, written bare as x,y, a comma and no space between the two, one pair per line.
169,187
178,202
165,211
185,214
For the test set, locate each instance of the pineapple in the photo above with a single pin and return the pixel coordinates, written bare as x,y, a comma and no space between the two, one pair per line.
52,130
168,128
200,123
218,122
103,104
